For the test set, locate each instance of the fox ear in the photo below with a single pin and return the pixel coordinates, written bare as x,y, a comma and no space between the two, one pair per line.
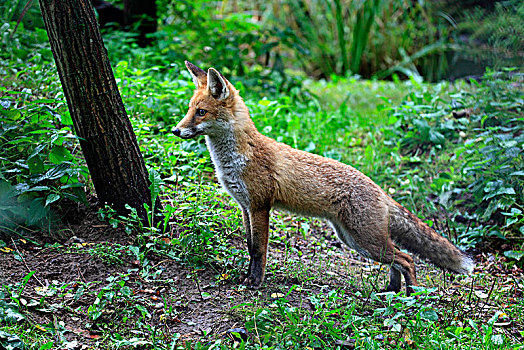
199,76
217,84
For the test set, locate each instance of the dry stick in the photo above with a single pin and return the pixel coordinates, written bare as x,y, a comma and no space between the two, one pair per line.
455,304
452,237
470,292
487,299
369,296
516,282
170,187
256,328
24,11
23,260
195,277
80,273
55,324
463,314
445,280
467,228
161,262
489,294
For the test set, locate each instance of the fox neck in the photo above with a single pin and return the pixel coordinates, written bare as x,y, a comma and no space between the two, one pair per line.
228,153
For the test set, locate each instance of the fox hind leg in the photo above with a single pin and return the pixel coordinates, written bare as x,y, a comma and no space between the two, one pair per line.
395,282
400,263
369,246
404,263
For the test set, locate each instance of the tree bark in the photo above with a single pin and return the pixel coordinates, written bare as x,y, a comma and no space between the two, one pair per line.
106,136
144,12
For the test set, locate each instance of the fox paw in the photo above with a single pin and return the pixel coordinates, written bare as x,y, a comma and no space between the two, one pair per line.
252,282
391,288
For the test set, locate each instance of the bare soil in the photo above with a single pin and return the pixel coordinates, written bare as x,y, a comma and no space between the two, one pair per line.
202,305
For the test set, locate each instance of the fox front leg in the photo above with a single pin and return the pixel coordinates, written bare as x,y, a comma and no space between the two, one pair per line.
258,240
247,227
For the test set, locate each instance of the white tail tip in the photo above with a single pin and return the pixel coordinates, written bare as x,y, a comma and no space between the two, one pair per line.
467,265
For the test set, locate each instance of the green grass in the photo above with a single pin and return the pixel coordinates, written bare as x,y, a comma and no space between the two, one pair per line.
359,99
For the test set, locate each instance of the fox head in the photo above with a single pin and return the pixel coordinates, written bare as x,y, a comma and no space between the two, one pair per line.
211,107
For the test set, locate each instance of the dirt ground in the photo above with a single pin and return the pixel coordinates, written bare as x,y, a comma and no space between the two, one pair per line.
201,307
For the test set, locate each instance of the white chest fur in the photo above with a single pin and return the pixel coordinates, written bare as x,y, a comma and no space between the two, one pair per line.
229,165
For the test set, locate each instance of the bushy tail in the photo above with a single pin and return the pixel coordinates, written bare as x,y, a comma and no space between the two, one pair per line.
413,234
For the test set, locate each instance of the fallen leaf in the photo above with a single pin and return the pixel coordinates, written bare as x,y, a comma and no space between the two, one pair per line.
480,294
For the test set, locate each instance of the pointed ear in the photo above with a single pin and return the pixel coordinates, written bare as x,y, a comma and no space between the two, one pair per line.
199,76
217,84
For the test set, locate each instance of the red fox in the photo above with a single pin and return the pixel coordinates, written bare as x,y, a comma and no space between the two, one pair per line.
260,174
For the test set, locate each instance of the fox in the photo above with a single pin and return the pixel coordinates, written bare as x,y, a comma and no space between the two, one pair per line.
262,174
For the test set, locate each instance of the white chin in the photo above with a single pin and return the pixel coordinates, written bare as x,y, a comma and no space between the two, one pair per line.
190,134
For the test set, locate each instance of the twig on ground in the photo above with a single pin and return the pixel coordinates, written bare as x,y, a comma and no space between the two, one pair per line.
81,274
25,263
195,277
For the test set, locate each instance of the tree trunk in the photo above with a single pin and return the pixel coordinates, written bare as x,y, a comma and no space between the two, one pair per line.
106,136
144,12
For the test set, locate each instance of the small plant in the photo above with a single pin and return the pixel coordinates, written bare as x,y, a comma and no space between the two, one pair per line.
38,168
114,291
112,254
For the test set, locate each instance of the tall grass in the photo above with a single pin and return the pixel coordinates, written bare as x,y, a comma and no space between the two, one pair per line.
380,34
364,20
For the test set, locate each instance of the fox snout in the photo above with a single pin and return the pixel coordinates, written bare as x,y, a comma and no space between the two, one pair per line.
186,133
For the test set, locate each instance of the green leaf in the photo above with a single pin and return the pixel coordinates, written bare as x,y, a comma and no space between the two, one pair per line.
55,172
10,341
38,189
36,165
369,153
45,100
429,315
37,211
514,254
66,119
9,313
154,187
392,119
46,346
135,250
53,197
59,154
37,150
264,103
21,188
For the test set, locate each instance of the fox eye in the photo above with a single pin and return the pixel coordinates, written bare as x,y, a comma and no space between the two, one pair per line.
201,112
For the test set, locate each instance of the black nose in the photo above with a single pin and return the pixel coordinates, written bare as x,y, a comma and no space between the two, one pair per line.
176,132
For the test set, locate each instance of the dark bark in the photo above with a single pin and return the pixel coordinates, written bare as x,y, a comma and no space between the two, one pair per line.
106,136
143,12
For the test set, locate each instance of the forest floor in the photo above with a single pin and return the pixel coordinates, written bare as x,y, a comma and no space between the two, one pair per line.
83,291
